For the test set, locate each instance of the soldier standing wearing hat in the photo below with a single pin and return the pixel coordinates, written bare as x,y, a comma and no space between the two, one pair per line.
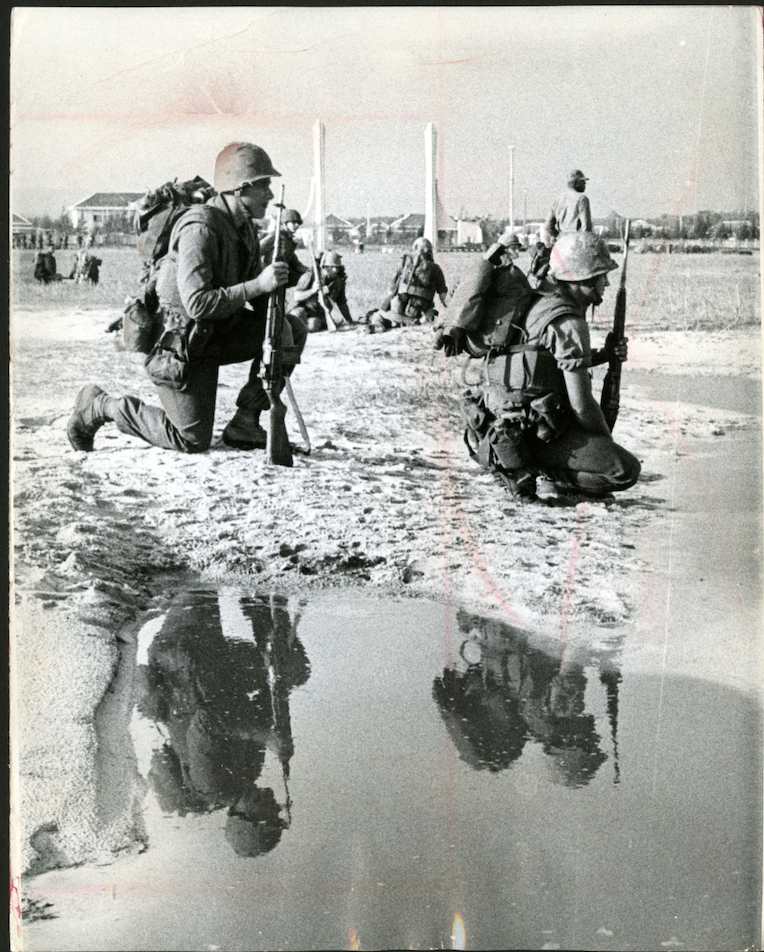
570,211
213,291
533,412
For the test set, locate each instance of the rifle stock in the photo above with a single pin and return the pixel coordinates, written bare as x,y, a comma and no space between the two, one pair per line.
611,388
330,323
277,451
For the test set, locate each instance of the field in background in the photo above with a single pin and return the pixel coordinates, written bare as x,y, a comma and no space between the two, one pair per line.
665,292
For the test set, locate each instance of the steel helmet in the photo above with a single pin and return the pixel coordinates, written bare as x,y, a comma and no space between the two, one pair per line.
239,164
331,259
580,255
423,244
291,214
510,241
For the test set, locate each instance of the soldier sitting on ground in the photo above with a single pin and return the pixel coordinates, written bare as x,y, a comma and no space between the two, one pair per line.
412,293
86,267
308,305
533,412
45,271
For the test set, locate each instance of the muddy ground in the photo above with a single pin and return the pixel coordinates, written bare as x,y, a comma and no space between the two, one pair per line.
387,500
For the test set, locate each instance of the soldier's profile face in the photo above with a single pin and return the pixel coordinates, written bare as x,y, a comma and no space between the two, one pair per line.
255,197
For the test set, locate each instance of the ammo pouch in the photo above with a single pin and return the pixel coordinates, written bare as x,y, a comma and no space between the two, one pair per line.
182,340
551,416
140,328
492,442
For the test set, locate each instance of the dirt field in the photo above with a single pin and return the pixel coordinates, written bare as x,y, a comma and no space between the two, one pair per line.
387,500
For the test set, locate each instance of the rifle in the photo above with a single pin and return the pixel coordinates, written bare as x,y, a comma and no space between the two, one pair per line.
611,388
319,287
278,450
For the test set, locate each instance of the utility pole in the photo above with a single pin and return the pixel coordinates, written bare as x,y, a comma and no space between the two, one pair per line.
368,220
511,189
319,141
525,212
431,185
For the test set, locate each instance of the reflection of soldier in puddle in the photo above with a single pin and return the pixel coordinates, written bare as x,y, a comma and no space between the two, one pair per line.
502,693
218,685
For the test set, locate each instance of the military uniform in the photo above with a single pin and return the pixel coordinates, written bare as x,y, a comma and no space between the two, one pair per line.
412,293
519,418
307,305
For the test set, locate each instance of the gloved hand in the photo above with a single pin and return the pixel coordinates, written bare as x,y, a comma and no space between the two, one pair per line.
454,341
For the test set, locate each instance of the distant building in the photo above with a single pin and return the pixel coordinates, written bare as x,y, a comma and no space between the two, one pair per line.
102,207
21,225
469,232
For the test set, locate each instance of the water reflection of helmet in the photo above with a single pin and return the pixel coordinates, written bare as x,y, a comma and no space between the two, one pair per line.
254,824
482,718
241,163
580,255
331,259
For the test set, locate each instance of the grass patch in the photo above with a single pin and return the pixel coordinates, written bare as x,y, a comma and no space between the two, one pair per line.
665,292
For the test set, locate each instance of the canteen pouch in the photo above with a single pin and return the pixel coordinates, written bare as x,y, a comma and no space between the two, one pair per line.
140,328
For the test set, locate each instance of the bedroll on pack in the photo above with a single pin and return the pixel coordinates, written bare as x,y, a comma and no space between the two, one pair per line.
155,217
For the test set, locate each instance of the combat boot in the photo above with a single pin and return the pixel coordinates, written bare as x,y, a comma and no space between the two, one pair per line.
244,431
90,414
520,483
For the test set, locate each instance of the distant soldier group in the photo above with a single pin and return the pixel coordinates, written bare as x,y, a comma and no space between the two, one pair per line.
533,414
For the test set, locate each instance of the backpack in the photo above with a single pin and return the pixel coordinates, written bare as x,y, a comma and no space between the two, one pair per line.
156,214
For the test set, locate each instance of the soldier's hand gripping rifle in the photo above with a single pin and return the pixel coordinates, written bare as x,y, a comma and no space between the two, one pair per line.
278,450
320,288
611,388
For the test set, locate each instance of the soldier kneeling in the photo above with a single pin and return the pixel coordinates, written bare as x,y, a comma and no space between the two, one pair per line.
534,413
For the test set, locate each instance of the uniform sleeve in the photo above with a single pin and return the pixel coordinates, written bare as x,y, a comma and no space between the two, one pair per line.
197,250
568,339
585,214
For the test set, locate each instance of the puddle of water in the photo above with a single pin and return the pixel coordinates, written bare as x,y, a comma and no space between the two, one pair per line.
352,773
738,394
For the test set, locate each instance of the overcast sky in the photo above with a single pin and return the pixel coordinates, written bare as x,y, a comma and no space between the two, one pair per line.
657,105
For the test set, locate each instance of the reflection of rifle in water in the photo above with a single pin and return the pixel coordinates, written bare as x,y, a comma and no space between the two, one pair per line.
611,679
611,388
282,726
278,449
320,288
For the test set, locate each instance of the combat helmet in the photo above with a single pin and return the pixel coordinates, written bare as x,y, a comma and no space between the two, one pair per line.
424,245
239,164
580,255
331,259
291,214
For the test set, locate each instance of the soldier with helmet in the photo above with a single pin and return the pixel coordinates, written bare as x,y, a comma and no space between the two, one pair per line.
308,306
533,412
412,292
213,289
291,220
